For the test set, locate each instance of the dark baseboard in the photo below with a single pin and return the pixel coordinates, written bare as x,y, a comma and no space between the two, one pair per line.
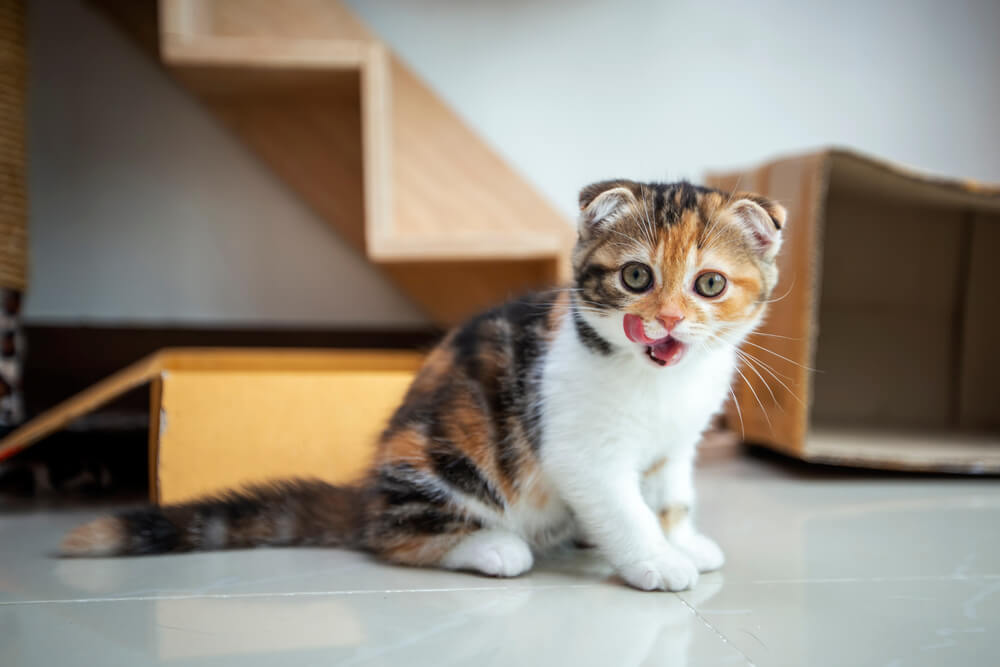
63,360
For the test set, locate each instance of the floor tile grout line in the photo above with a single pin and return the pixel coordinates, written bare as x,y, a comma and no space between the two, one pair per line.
190,596
240,596
718,633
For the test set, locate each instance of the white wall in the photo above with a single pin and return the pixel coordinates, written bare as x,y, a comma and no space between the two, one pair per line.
572,91
143,209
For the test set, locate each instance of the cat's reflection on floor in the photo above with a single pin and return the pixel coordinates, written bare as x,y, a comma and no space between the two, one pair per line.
578,613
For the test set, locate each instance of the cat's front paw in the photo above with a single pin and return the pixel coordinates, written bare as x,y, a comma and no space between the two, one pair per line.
668,571
703,551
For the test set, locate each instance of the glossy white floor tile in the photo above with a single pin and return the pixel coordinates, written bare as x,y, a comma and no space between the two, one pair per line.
825,568
885,622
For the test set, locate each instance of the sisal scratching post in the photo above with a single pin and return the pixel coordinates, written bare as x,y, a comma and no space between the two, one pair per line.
13,208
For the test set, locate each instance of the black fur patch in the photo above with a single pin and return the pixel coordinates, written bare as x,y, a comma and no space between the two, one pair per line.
589,337
393,484
466,343
433,521
658,202
463,474
500,404
150,531
597,287
416,410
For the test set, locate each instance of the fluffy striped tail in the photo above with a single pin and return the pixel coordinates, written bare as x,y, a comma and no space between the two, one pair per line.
281,514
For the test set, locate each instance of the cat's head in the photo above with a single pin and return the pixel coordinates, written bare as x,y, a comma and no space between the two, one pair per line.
671,269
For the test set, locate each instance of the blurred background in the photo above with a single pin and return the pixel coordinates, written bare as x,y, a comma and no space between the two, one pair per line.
153,221
144,209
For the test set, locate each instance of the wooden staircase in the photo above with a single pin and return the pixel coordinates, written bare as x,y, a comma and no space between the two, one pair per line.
364,142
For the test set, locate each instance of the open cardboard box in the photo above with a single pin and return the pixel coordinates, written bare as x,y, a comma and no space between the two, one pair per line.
223,418
887,291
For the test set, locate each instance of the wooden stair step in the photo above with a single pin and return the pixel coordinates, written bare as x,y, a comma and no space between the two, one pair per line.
354,132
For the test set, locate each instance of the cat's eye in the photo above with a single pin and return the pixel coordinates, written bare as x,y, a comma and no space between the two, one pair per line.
710,284
637,276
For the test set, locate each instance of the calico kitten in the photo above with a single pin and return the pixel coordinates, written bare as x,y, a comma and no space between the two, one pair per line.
570,414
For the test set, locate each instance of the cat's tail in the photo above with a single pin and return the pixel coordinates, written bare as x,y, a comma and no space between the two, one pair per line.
280,514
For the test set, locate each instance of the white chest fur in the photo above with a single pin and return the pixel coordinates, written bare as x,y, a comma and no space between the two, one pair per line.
621,406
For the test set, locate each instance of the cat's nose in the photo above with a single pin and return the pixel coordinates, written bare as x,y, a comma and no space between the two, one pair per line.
670,319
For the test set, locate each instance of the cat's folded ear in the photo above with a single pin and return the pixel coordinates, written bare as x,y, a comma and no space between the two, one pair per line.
761,220
604,203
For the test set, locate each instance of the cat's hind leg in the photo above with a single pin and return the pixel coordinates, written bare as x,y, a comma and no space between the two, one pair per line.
407,526
493,552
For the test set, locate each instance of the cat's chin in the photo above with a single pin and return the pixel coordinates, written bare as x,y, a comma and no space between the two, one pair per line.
665,352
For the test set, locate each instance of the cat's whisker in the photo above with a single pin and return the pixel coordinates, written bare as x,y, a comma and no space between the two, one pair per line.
780,356
787,292
748,357
760,361
578,307
739,413
770,335
763,381
757,398
778,380
765,364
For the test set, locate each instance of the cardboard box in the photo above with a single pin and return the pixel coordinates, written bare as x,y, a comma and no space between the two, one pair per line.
880,345
223,418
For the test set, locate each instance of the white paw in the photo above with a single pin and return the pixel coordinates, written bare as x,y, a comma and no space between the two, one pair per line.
669,571
496,553
703,552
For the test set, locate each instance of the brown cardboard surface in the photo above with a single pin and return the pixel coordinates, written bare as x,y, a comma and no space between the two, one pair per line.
222,418
979,399
888,254
926,450
223,429
879,367
882,318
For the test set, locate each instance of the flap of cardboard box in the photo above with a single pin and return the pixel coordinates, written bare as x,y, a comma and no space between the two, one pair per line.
863,175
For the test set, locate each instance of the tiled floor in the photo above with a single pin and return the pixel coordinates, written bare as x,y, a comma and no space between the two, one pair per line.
826,568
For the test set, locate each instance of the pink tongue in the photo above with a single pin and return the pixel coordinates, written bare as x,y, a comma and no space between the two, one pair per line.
635,330
669,351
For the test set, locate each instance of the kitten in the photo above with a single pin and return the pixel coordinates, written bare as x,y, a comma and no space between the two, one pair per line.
569,414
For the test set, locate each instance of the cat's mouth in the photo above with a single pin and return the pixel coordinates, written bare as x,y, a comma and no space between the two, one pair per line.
665,351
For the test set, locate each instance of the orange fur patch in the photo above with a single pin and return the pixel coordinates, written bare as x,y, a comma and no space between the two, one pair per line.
435,369
101,537
421,550
657,466
671,516
408,446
